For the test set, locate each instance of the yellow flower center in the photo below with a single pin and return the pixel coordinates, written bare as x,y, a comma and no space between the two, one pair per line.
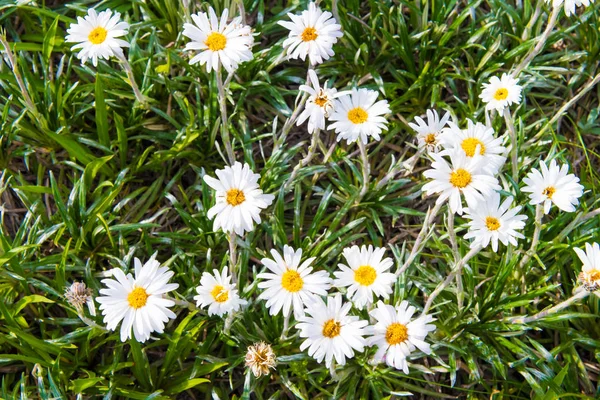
331,328
492,223
292,281
365,275
470,145
321,100
216,41
501,94
549,191
460,178
97,35
137,298
357,115
220,294
430,139
594,275
309,34
396,333
235,197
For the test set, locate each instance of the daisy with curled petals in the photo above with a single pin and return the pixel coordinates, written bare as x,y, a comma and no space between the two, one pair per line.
570,4
219,42
501,92
97,35
139,302
357,116
476,136
365,275
396,336
291,284
553,185
330,332
217,292
493,222
319,104
464,176
239,199
590,271
312,33
428,132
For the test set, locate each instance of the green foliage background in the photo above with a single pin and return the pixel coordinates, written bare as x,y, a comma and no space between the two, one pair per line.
89,181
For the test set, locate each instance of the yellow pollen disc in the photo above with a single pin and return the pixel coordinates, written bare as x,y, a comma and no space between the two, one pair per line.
460,178
321,101
396,333
137,298
365,275
501,94
216,41
469,145
309,34
493,224
594,275
97,35
357,115
291,281
331,328
235,197
220,294
549,191
430,139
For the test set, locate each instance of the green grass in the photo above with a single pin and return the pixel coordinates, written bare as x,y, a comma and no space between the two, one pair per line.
89,181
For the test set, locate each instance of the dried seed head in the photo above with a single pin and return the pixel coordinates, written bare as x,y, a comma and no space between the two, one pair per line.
78,294
259,358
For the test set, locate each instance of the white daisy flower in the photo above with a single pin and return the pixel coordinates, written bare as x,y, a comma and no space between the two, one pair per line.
319,104
357,115
570,4
96,35
312,33
365,275
553,185
500,93
239,199
590,270
464,175
476,136
219,42
428,132
396,336
291,284
330,332
218,293
139,302
492,222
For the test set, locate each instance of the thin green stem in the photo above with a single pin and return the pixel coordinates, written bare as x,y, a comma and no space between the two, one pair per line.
512,133
552,310
224,118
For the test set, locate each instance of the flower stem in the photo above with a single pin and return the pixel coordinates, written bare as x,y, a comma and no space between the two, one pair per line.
306,160
510,124
552,310
129,72
366,168
13,64
533,20
431,213
452,235
286,327
539,213
233,257
457,270
224,118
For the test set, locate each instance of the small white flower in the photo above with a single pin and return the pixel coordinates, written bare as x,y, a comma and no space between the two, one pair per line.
357,116
239,199
570,4
291,284
396,336
330,332
319,104
96,35
476,136
464,175
492,222
365,275
312,33
500,93
139,302
219,42
218,293
590,270
553,185
428,132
